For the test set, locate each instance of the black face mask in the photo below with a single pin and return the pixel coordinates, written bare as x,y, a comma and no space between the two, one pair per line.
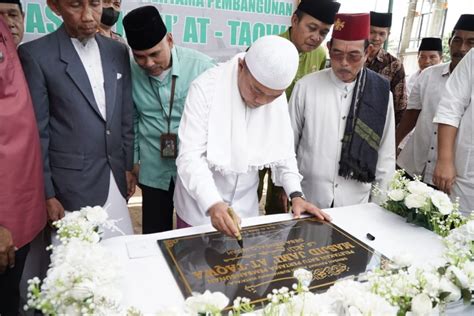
109,16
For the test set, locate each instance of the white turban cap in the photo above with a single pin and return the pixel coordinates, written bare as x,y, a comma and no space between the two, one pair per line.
273,61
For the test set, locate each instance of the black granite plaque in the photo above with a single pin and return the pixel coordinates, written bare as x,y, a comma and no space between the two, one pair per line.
270,254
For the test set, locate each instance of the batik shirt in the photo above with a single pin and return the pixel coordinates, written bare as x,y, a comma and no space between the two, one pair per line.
392,68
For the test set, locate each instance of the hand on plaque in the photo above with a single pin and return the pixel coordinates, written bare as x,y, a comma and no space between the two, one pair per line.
300,206
222,221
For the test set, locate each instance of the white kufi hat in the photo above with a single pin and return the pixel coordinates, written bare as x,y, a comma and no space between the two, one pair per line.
273,61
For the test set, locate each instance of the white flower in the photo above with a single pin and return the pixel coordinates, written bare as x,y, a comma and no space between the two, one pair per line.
460,276
403,260
418,187
396,195
421,305
446,285
442,202
206,302
468,268
469,227
303,276
96,214
415,200
79,293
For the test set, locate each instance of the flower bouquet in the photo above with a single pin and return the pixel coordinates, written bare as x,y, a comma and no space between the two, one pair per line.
82,276
420,204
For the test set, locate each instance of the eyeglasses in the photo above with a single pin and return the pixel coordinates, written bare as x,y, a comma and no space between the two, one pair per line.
351,58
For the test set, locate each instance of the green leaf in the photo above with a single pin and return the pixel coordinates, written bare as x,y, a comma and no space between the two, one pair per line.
466,296
442,270
444,295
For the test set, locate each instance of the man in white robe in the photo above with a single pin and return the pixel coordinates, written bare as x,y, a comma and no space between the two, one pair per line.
419,155
236,122
430,53
454,171
340,161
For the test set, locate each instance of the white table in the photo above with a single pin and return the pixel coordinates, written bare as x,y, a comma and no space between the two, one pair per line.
149,285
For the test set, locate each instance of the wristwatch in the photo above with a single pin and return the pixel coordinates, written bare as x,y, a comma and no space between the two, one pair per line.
296,194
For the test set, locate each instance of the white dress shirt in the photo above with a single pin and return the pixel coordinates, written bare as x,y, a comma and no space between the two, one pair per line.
199,184
419,155
319,106
412,80
455,109
89,54
115,205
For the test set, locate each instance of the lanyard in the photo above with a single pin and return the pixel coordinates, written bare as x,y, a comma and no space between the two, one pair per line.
157,94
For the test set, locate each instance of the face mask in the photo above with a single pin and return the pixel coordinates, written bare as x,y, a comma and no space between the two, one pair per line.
109,16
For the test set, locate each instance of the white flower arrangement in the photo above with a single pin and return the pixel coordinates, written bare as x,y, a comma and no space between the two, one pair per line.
208,304
87,224
82,278
420,204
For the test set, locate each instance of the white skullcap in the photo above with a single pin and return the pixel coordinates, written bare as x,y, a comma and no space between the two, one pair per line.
273,61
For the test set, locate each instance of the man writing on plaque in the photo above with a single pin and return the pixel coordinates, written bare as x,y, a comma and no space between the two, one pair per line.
343,122
236,122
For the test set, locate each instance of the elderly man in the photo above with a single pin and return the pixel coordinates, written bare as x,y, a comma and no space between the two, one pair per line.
430,53
310,24
161,75
223,144
419,156
81,91
343,122
12,13
110,15
454,171
22,208
384,63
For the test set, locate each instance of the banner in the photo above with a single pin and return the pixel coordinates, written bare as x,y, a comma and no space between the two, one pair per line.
219,28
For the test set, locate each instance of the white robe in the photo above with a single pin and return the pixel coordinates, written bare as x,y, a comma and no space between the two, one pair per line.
318,107
419,155
455,109
222,147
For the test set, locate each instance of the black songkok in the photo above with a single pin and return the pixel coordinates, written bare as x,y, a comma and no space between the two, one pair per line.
380,19
431,43
144,27
324,10
465,22
13,2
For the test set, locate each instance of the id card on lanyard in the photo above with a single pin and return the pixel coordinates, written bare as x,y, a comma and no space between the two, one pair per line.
168,141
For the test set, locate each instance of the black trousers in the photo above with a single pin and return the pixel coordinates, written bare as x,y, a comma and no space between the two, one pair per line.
157,209
10,284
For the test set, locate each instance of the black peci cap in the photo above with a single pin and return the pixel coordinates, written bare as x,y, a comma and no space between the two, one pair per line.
323,10
144,28
380,19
